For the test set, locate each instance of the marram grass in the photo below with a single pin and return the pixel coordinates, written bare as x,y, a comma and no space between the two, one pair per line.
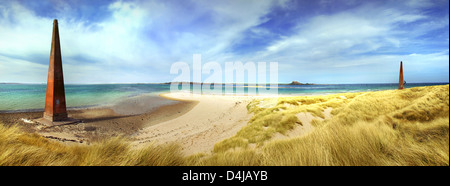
393,127
23,149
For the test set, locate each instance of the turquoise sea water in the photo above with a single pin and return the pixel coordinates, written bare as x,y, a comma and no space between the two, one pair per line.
31,97
26,97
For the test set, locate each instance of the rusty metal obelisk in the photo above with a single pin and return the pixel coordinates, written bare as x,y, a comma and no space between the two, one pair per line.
401,82
55,100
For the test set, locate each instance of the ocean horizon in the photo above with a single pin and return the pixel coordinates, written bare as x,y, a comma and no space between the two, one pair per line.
18,97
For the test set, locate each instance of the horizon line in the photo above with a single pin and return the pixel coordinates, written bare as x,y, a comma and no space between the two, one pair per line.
162,83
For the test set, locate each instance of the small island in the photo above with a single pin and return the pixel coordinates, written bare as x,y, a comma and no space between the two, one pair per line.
298,83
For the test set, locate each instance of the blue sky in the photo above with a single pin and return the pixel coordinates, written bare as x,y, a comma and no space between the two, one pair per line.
323,41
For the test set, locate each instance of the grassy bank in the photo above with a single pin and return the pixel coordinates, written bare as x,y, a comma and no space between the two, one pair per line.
393,127
19,148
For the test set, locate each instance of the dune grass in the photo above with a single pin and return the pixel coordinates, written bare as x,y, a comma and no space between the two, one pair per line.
393,127
280,118
23,149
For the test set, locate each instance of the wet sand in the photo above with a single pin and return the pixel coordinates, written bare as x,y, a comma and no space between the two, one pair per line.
123,119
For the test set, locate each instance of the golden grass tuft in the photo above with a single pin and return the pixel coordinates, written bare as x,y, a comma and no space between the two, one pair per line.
23,149
240,157
266,122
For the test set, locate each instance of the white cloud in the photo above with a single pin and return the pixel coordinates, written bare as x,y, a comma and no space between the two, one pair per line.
138,36
336,47
16,70
365,29
140,40
341,34
21,32
112,45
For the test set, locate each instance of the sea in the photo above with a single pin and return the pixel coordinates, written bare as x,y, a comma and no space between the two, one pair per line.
31,97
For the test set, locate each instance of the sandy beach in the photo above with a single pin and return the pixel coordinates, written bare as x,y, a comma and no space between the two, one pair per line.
122,119
196,122
212,120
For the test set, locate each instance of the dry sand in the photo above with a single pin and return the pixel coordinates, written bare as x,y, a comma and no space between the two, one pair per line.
214,119
306,126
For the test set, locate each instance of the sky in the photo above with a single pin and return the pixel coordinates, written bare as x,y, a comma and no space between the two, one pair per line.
137,41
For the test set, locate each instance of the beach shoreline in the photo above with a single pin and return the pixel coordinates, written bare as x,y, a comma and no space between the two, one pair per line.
98,123
196,122
213,119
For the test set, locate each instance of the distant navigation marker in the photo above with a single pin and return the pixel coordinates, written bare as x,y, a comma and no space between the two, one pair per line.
401,82
55,100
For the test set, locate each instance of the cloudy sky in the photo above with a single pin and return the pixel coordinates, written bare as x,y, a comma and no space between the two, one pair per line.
322,41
